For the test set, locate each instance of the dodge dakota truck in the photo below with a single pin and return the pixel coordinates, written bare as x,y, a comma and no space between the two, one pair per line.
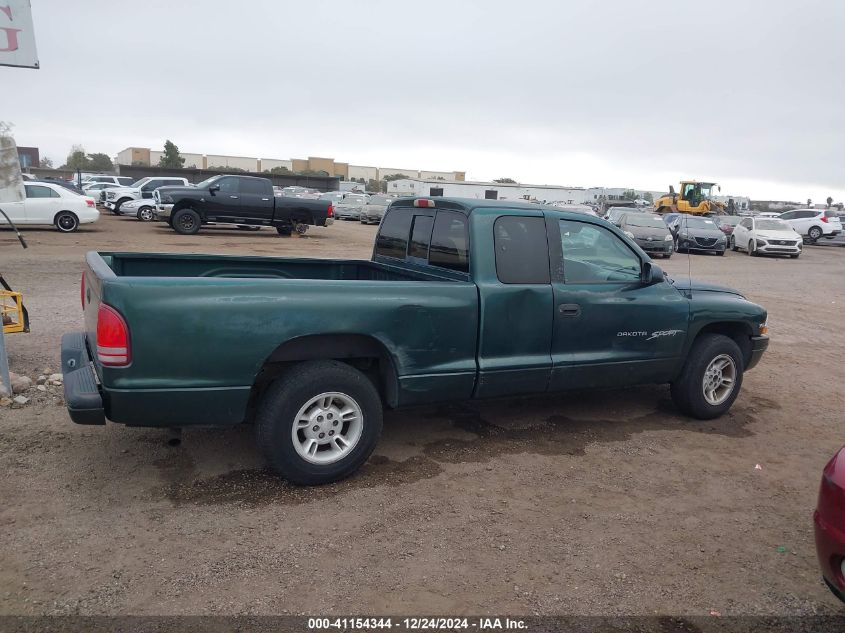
242,200
461,299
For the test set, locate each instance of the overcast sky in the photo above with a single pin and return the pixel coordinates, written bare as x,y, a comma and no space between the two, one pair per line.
611,93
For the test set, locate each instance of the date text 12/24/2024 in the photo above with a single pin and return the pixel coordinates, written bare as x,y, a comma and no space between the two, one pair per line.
416,623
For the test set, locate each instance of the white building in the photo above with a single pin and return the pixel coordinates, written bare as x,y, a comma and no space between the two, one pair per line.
361,171
485,190
241,162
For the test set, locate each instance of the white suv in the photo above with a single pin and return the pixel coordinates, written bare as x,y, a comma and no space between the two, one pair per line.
813,224
142,189
120,181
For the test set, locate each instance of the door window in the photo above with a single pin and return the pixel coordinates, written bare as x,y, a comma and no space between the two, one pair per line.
746,223
254,187
522,252
228,185
592,254
449,242
151,186
36,191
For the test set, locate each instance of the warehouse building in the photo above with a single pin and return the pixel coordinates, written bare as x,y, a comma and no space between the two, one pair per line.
485,190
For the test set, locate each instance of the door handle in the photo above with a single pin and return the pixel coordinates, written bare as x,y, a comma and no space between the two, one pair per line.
569,309
265,199
235,197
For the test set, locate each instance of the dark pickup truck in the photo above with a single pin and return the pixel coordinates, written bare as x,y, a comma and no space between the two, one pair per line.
462,299
239,200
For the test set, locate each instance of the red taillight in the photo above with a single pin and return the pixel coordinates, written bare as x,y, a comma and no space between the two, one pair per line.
331,210
823,217
89,202
112,338
82,291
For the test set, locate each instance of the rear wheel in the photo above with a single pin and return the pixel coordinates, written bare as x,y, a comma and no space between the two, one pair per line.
284,231
186,222
732,244
66,222
145,214
319,422
711,378
814,233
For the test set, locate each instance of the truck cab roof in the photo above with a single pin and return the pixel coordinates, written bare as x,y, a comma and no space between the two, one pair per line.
467,205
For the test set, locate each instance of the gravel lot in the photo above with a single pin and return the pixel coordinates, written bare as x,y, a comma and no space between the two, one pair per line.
592,503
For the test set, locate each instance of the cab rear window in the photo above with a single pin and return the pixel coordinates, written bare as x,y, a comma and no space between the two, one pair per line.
440,240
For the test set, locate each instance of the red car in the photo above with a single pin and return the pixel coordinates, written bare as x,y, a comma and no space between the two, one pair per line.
829,518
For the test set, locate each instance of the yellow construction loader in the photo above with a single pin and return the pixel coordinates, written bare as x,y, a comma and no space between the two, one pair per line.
695,198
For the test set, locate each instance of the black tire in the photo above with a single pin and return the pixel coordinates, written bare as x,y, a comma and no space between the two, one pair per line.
284,231
732,244
667,256
795,256
752,251
814,233
186,222
146,214
688,390
117,204
720,253
66,222
278,409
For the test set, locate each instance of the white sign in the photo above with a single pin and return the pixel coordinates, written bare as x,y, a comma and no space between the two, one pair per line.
17,37
11,182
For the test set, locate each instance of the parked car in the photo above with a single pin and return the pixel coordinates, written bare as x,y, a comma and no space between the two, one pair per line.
576,208
141,189
696,233
48,203
373,211
300,192
726,223
143,209
335,197
61,182
350,207
120,181
763,236
814,223
614,215
97,190
462,299
829,520
768,214
649,232
246,201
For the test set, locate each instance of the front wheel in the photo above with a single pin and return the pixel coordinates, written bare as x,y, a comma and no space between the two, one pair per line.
711,378
186,222
66,222
732,244
319,422
145,214
752,250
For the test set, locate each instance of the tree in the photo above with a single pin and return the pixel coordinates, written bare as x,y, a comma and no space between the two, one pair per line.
647,196
76,159
629,194
393,177
376,185
809,202
46,163
281,170
313,172
171,157
829,202
99,162
505,181
230,170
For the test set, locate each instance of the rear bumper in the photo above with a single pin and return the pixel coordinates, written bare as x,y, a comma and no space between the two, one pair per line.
83,399
759,344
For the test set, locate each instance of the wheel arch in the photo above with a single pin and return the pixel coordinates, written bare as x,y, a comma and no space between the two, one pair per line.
364,352
739,331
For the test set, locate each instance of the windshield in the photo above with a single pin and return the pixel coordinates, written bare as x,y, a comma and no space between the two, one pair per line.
205,183
706,189
698,223
773,225
384,200
645,221
139,183
355,199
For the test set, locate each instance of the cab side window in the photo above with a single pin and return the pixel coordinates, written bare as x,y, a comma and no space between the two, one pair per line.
392,238
450,242
746,223
593,254
522,251
228,185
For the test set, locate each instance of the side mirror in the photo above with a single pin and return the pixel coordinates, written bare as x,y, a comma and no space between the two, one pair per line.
652,274
213,188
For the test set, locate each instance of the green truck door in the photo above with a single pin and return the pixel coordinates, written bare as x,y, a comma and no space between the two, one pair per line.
609,328
516,304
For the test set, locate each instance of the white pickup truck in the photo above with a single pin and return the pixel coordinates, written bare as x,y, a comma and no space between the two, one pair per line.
142,189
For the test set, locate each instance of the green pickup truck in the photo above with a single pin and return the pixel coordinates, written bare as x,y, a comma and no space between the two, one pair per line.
462,299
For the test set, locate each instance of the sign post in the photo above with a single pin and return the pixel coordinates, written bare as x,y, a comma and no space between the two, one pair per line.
17,36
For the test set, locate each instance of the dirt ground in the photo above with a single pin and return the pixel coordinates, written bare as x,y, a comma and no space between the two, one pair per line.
592,503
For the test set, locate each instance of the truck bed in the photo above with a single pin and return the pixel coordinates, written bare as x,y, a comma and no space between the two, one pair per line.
173,265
